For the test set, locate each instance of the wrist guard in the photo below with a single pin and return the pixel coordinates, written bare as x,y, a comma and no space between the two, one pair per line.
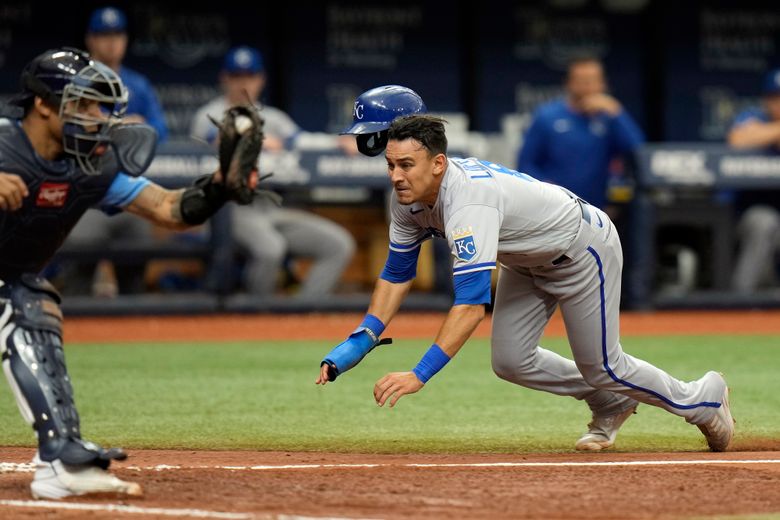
201,200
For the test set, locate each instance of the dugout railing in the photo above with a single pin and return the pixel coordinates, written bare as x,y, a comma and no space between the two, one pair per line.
679,208
675,189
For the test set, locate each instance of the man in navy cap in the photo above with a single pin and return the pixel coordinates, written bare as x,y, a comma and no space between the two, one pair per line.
106,41
758,128
269,234
242,75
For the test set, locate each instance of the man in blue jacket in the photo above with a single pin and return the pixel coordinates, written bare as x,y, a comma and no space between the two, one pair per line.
573,140
106,41
757,128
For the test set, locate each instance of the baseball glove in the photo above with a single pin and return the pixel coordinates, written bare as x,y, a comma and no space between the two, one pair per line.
240,141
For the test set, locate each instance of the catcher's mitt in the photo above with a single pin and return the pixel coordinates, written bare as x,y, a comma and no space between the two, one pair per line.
240,141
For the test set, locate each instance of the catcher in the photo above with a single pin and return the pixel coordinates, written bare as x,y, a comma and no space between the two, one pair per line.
63,151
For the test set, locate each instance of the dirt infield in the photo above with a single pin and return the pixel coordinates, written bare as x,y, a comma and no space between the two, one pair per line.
406,325
278,485
293,485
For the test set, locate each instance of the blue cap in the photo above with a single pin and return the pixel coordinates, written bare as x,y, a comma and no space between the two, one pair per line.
772,83
107,20
243,60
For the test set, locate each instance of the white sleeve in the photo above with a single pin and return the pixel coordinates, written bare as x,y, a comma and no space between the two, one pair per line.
201,124
405,234
472,233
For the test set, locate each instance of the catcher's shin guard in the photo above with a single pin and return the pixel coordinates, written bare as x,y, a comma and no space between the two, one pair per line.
34,364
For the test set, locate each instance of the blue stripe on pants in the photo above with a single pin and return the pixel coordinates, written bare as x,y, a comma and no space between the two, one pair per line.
604,350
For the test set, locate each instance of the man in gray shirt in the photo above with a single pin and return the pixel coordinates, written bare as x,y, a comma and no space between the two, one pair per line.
266,232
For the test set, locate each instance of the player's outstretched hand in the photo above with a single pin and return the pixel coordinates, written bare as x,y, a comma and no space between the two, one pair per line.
348,353
323,378
394,385
13,190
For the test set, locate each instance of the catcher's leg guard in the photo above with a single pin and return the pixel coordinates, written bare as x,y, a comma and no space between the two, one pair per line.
34,364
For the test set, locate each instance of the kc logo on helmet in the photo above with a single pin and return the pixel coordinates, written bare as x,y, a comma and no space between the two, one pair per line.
52,195
357,112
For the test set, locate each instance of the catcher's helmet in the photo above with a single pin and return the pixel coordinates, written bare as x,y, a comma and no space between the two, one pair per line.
375,109
48,73
71,81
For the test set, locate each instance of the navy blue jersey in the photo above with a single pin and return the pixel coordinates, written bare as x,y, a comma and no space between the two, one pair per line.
574,150
744,199
60,193
143,101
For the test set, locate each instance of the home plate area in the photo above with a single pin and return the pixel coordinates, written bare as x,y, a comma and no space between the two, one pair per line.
289,485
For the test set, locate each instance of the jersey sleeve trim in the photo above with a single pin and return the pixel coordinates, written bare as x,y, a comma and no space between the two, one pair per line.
405,248
123,190
473,267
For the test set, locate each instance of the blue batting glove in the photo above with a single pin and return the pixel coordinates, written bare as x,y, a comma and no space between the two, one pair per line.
350,352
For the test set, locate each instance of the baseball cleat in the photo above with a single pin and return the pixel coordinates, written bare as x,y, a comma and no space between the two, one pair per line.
602,431
56,480
719,430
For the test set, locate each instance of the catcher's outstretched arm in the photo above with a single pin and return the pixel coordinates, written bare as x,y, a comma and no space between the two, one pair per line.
160,206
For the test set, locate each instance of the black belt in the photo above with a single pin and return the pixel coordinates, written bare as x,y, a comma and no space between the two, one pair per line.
585,216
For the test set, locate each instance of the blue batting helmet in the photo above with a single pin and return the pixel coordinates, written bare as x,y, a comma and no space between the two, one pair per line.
375,109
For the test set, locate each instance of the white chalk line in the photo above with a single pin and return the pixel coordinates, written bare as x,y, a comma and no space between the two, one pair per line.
12,467
159,511
116,508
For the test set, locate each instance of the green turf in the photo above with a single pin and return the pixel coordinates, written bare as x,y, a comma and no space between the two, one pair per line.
262,396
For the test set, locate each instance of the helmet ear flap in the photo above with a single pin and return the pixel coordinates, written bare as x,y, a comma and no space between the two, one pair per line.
372,144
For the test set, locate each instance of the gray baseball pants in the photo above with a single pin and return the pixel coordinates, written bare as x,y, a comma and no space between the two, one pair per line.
268,234
759,232
586,286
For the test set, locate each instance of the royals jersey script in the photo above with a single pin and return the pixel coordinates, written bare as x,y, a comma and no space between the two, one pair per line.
488,212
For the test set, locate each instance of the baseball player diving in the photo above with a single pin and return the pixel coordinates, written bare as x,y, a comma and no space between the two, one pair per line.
553,249
64,149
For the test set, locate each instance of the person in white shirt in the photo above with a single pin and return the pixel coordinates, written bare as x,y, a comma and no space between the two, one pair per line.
269,234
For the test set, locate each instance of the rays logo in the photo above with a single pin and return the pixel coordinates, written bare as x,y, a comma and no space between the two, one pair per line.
357,112
465,248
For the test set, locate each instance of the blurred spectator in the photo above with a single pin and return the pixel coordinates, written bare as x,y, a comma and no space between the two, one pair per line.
758,128
106,41
266,233
572,141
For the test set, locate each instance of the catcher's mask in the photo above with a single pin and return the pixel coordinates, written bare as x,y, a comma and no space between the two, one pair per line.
93,101
373,112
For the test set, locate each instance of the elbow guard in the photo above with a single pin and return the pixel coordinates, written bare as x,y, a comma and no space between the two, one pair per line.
201,200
